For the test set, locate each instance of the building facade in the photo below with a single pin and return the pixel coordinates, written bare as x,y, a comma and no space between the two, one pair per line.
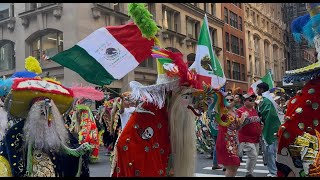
234,46
297,55
44,29
264,31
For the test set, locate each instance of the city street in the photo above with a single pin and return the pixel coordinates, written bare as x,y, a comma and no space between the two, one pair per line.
203,169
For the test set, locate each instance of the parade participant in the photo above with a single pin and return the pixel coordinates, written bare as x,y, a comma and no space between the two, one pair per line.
271,119
204,137
84,126
40,145
299,138
105,118
227,142
143,139
249,133
126,109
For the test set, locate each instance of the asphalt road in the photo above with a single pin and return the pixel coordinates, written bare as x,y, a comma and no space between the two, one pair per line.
203,167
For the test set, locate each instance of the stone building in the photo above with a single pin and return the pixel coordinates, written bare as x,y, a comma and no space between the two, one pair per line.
44,29
234,52
264,31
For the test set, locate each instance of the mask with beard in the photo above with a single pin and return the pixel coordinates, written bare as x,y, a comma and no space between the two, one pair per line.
44,128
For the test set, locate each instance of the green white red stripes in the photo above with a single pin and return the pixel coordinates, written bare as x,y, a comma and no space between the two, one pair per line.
215,75
107,54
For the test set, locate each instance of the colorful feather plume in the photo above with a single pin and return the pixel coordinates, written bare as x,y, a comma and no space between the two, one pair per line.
297,26
143,19
5,86
87,93
33,65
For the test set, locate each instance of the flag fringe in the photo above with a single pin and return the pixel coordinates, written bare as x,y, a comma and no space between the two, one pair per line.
154,94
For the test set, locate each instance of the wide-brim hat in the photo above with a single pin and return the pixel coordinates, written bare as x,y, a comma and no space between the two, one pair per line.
25,90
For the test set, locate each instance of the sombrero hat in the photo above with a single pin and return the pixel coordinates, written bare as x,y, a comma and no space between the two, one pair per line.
25,90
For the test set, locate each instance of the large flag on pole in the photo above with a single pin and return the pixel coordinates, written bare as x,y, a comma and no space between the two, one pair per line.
107,54
267,79
206,63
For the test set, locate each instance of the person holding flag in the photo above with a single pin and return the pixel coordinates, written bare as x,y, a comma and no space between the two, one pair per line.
271,120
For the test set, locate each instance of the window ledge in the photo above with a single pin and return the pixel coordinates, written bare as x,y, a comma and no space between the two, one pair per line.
56,8
99,9
10,22
7,72
146,70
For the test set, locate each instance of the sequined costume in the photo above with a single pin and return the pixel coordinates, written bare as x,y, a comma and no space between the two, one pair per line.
87,129
299,139
145,139
205,141
227,144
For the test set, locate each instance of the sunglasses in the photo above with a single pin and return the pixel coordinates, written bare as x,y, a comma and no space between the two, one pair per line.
250,99
229,100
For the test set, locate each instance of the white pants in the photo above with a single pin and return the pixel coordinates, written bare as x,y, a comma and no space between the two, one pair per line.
252,151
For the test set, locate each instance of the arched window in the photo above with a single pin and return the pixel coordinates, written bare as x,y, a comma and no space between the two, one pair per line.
7,55
46,44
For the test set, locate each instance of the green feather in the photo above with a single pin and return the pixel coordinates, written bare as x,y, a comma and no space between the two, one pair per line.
143,19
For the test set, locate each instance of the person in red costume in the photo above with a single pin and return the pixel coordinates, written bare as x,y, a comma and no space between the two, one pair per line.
159,138
299,138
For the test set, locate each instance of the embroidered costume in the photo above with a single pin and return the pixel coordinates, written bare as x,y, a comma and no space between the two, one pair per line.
299,138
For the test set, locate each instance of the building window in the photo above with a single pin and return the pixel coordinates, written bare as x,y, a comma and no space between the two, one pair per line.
234,44
7,55
233,20
47,45
243,73
213,34
241,48
118,7
152,9
4,10
31,6
226,17
205,6
171,19
192,28
240,23
227,42
213,9
253,17
235,71
147,63
228,69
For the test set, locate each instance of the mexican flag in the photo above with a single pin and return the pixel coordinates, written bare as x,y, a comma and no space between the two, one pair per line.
267,79
107,54
206,63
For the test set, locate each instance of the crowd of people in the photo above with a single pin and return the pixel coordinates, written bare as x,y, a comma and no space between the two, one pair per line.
50,130
245,134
